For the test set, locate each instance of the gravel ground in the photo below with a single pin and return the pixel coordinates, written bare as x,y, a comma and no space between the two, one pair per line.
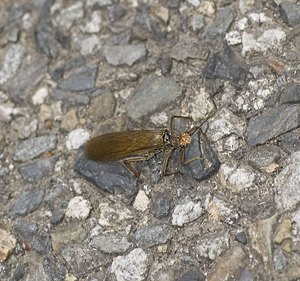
71,70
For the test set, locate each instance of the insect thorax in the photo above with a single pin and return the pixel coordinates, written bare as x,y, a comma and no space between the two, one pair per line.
166,136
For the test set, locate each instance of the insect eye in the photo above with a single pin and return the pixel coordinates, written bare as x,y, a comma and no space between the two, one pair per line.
166,136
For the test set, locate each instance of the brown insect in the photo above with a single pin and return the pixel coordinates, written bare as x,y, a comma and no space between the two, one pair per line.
139,145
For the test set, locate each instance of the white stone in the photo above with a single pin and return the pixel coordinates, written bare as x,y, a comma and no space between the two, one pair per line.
233,38
160,119
254,17
258,104
232,143
40,95
11,62
246,5
113,215
141,201
131,267
8,110
94,25
89,45
295,217
77,138
69,15
271,39
264,93
242,24
287,184
195,3
185,212
218,211
100,3
225,123
207,8
27,21
201,105
249,43
259,18
212,247
236,179
78,208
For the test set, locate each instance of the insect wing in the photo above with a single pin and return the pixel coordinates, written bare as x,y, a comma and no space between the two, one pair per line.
119,145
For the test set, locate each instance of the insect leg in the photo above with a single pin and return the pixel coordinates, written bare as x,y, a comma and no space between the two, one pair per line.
130,168
166,162
128,161
188,161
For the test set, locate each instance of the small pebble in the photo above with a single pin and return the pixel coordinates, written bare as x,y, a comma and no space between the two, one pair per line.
77,138
78,208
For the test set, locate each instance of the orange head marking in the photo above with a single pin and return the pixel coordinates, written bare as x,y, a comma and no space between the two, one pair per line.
185,139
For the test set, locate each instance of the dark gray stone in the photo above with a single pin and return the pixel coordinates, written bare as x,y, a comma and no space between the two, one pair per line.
64,39
44,31
189,47
290,94
166,64
34,147
38,169
82,261
279,260
272,123
241,237
220,24
19,273
263,156
23,84
116,12
153,93
125,54
82,79
110,177
5,271
247,276
173,4
97,4
71,98
55,191
162,204
197,23
110,244
28,231
57,217
145,26
226,65
206,162
290,13
153,235
121,38
27,202
52,269
45,40
192,275
57,72
290,141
